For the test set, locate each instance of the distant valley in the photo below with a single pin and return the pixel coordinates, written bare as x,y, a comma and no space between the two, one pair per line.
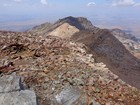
19,26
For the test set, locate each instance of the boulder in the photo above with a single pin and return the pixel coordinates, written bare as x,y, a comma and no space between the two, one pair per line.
12,92
68,96
9,83
23,97
73,96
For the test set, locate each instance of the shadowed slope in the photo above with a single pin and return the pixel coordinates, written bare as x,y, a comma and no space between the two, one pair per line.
111,51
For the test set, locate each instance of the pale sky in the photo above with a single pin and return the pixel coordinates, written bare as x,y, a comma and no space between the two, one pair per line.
98,11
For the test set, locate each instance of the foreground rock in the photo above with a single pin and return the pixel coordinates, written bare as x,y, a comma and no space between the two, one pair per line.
68,96
11,92
24,97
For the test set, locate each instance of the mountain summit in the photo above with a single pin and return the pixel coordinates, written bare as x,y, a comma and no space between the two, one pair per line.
64,27
80,22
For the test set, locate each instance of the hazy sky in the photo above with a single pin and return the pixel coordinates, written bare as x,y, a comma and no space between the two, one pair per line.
99,11
21,9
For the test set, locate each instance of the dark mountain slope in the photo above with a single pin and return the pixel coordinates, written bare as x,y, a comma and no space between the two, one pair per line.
129,41
111,51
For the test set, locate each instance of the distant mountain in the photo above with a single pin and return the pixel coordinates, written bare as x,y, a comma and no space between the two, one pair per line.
129,41
124,34
80,22
64,27
43,28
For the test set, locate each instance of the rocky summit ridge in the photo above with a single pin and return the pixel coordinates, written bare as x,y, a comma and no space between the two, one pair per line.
64,27
86,67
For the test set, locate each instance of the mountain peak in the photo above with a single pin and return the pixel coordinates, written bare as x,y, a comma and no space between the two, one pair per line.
64,27
81,23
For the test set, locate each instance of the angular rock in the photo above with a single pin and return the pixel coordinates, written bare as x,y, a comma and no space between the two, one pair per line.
23,97
68,96
95,103
9,83
11,92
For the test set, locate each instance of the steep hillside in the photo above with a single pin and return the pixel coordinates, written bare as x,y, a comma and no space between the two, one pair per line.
80,22
111,51
41,29
113,47
68,26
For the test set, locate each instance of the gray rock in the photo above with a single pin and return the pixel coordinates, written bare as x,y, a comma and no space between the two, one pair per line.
83,101
23,97
11,92
9,83
95,103
68,96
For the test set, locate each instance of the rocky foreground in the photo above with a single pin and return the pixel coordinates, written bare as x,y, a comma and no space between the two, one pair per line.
47,70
